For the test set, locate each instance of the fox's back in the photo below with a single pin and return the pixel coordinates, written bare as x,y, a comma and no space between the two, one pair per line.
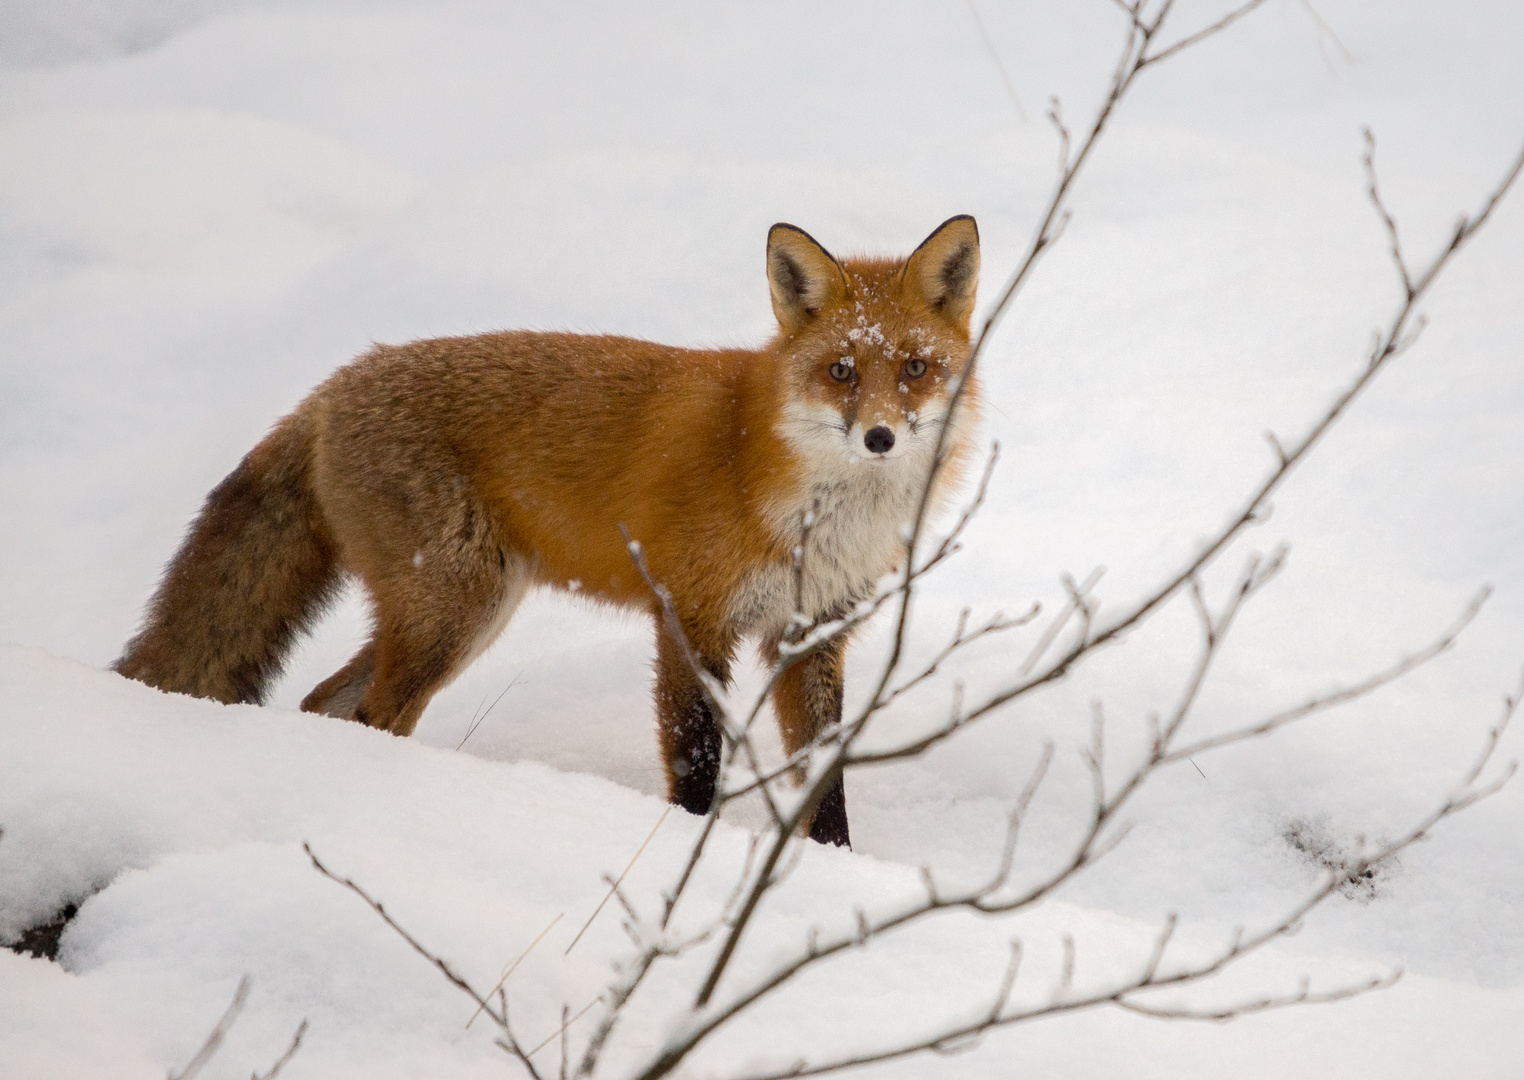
562,438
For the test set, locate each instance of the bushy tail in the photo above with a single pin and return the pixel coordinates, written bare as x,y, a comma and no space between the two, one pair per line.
257,566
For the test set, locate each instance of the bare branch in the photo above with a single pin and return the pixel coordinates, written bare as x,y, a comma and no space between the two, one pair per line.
1066,972
998,624
1007,981
1151,968
1123,996
1327,32
1275,444
1201,35
218,1033
1303,996
834,751
1374,191
674,627
1056,118
1338,697
1095,757
285,1059
984,898
1389,344
1131,11
442,966
565,1053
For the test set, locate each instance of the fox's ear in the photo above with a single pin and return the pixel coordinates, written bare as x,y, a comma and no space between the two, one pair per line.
945,268
801,275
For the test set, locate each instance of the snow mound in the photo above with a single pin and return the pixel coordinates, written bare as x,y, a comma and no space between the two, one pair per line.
178,823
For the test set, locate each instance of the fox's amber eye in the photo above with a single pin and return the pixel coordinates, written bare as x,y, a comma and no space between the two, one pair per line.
915,368
841,372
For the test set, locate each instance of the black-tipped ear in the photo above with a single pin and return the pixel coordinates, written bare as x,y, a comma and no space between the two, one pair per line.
944,270
801,275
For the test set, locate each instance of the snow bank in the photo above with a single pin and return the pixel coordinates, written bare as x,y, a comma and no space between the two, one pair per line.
179,825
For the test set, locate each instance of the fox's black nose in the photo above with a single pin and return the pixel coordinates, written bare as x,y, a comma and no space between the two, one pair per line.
879,440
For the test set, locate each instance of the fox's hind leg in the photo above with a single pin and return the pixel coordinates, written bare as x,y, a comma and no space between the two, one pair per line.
429,626
340,693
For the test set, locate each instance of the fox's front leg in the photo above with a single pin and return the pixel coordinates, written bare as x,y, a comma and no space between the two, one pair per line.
807,699
690,736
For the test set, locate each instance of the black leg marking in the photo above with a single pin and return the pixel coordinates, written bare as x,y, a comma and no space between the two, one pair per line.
696,768
830,824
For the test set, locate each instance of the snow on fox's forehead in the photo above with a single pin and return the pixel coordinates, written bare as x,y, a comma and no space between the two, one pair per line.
864,329
876,318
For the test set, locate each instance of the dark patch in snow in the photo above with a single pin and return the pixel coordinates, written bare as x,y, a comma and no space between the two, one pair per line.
42,941
1316,844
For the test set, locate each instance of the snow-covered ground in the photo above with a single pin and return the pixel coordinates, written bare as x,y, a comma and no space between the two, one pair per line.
205,207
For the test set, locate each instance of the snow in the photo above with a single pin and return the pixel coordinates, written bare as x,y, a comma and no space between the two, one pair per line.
205,207
192,816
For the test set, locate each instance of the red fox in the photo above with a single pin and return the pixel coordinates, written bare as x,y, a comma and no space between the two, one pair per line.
450,476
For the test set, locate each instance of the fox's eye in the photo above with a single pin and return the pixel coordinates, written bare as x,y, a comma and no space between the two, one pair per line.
915,368
842,372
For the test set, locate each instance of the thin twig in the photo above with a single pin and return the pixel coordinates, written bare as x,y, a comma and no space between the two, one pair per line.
994,54
512,967
285,1059
477,721
615,886
565,1023
1334,698
1374,191
509,1043
218,1033
1186,42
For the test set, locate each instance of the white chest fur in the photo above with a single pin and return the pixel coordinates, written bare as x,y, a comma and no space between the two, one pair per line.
859,517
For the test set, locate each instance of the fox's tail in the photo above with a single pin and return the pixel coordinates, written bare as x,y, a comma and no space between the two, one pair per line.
257,566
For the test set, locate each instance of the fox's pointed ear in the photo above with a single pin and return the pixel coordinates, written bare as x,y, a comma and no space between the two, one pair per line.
945,269
801,275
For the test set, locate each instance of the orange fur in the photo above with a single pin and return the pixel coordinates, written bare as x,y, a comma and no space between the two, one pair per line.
451,475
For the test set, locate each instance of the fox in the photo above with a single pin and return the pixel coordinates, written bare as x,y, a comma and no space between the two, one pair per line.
450,476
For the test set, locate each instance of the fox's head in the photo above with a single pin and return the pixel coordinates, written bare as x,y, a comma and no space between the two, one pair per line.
873,348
